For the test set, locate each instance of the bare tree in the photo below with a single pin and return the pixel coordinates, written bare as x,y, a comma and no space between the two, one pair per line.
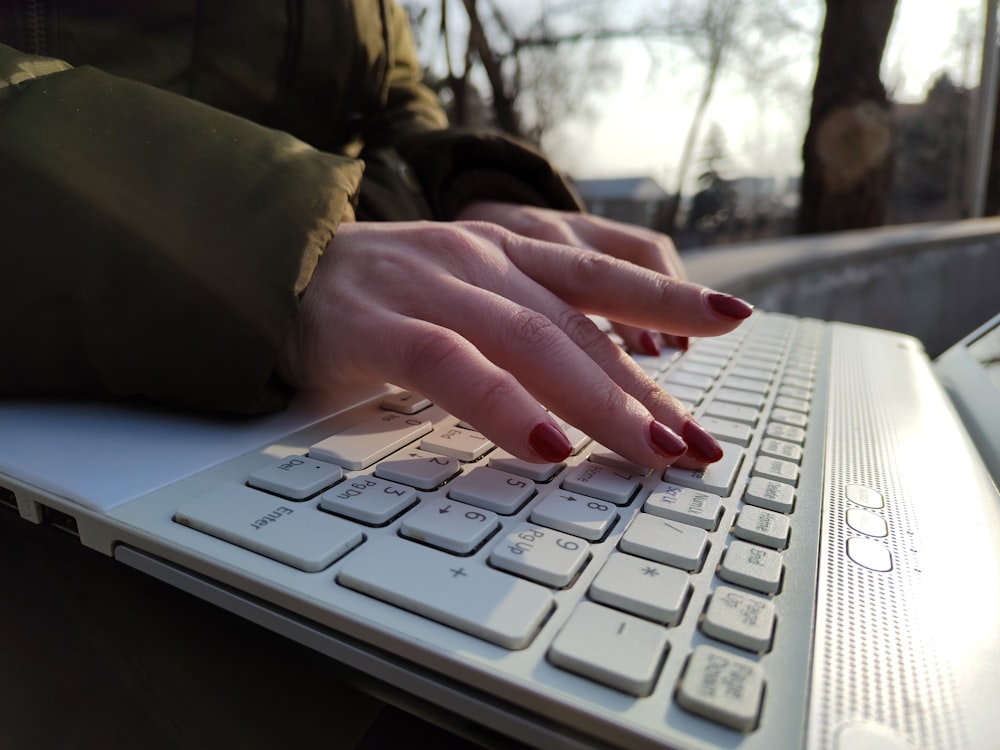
847,153
718,34
539,67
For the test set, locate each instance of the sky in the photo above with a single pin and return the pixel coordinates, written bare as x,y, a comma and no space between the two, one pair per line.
638,128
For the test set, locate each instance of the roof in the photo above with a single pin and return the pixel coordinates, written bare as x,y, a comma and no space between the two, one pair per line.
621,188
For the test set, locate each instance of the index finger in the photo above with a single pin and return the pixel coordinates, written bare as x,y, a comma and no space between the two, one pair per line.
624,292
638,245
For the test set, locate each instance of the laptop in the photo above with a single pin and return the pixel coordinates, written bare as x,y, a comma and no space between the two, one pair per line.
832,582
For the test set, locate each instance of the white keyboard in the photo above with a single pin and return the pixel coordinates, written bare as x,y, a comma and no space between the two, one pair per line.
644,606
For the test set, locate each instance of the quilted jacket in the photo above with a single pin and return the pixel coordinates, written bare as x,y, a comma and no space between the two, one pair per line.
170,172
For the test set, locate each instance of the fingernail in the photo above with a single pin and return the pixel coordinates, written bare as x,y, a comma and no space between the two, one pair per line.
648,343
701,445
729,307
549,442
665,441
676,342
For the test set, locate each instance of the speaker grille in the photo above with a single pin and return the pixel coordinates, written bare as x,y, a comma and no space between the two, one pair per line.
871,662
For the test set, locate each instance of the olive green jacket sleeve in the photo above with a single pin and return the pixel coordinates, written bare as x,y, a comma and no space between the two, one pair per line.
452,167
149,245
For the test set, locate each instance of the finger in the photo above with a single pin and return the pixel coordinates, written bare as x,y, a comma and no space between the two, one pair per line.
650,343
566,376
635,244
530,301
443,366
624,292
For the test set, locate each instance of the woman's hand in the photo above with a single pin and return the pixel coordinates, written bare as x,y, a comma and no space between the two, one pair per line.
490,325
638,245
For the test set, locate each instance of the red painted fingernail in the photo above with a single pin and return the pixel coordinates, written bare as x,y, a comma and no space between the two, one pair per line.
549,442
729,307
665,441
701,445
648,343
677,342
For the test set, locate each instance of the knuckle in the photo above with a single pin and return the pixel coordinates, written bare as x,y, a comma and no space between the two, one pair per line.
585,333
593,267
495,393
651,255
609,403
433,350
533,330
651,395
667,291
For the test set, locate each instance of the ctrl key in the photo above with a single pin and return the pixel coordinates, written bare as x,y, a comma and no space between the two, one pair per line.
723,687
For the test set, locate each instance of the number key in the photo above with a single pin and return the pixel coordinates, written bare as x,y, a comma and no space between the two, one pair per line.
550,557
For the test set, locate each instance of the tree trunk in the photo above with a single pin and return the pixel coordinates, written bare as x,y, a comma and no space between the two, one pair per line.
847,153
503,103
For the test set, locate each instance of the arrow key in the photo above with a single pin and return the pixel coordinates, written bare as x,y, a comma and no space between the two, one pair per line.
450,525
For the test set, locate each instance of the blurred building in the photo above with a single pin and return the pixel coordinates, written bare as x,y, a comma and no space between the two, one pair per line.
634,200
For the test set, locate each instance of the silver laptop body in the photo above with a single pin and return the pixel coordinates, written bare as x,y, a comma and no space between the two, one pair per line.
834,584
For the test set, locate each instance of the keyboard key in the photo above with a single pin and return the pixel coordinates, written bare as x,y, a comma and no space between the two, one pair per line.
658,363
734,412
717,478
699,368
296,477
369,500
547,556
360,446
405,402
697,355
781,449
601,455
642,587
776,468
465,445
762,526
770,494
792,404
740,619
690,379
714,347
724,429
694,507
797,381
577,437
751,566
578,515
450,525
765,359
610,647
601,482
722,687
787,416
746,384
473,598
805,394
786,432
417,468
754,373
292,533
491,489
736,396
685,393
668,542
504,461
